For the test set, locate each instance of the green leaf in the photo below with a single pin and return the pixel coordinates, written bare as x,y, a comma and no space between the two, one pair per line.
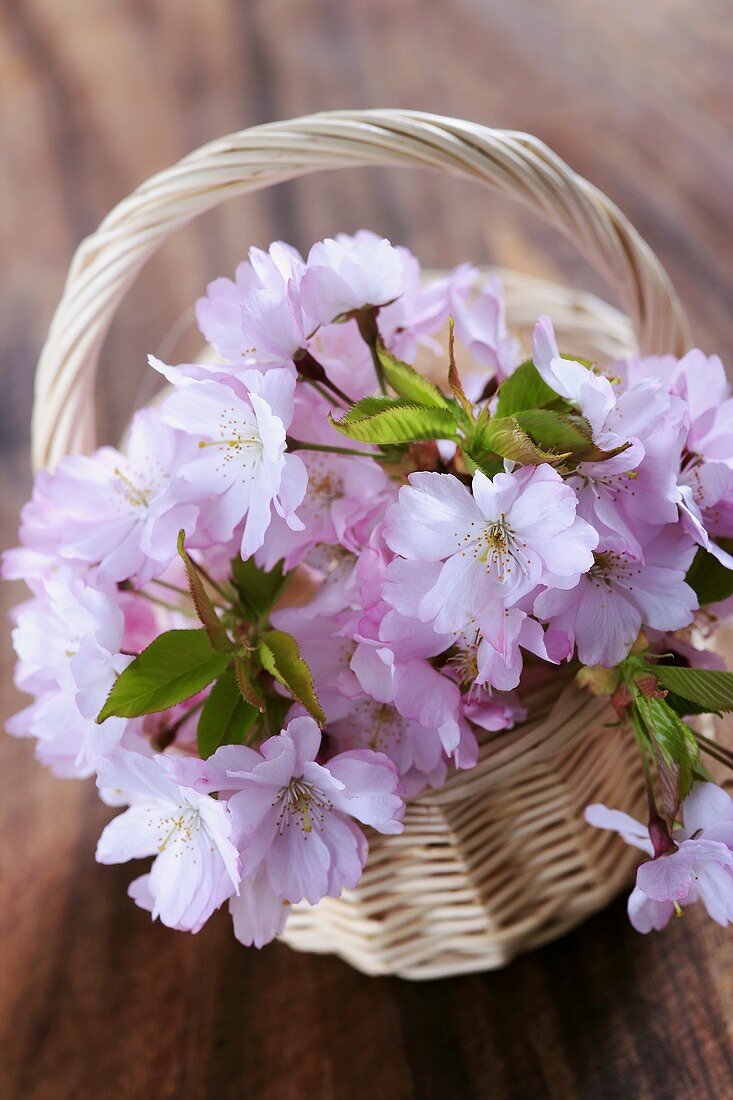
672,737
684,707
225,718
177,665
557,431
390,420
370,406
204,607
488,466
246,688
524,389
280,657
504,436
565,433
705,687
710,579
258,588
407,382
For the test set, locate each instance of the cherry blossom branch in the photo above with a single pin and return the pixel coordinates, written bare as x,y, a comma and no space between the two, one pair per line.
658,830
313,372
165,604
366,319
323,391
301,445
171,587
167,736
712,748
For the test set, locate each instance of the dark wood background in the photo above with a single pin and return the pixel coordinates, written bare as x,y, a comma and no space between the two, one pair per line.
96,95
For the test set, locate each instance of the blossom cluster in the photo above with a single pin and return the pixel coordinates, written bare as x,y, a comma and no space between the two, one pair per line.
313,581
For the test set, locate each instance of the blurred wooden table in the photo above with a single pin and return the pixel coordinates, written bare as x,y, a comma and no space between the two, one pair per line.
97,94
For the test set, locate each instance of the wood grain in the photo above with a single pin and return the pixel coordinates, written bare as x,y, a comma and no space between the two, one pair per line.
97,94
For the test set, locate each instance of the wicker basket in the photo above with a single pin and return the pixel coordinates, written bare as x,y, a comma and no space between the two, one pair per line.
499,860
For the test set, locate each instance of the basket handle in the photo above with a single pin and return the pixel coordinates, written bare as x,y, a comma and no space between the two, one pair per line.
513,163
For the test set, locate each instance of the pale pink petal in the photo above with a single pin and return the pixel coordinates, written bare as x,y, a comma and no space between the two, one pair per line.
647,915
434,514
630,830
667,878
706,805
129,836
371,785
258,913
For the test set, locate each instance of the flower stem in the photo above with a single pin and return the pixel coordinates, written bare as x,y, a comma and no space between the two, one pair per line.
167,736
366,319
311,370
301,445
323,390
718,752
165,604
658,830
169,586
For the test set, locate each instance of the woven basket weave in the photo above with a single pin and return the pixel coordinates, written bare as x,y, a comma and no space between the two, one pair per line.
499,859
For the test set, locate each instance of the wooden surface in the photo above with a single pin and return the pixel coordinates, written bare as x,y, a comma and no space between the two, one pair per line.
94,96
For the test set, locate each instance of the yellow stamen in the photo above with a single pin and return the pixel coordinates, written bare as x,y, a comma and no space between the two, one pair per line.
175,827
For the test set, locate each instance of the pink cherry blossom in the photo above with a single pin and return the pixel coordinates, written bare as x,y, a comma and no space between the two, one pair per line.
294,819
256,319
625,498
513,532
423,307
592,393
705,480
349,273
140,623
42,521
241,466
70,632
416,751
698,866
219,313
705,464
71,745
703,867
604,612
413,712
700,382
354,666
122,512
487,652
68,644
635,488
196,865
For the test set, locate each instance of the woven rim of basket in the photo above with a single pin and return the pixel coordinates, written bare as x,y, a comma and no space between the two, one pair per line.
512,163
